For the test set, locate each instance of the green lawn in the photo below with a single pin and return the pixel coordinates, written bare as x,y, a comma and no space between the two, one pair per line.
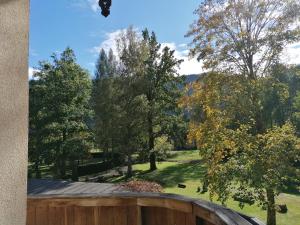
169,174
186,167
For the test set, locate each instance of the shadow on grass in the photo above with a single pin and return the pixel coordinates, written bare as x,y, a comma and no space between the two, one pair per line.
172,175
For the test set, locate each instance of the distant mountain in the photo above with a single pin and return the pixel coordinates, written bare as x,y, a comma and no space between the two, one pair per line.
192,78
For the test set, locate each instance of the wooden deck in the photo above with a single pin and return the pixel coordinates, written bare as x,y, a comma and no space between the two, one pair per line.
67,203
56,187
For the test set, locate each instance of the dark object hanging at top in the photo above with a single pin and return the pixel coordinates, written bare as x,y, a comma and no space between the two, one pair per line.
105,7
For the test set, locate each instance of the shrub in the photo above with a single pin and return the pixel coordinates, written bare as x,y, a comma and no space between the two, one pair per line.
162,147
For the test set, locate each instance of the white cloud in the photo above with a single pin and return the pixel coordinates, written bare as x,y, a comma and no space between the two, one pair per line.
93,4
31,72
291,54
188,66
33,52
86,4
108,43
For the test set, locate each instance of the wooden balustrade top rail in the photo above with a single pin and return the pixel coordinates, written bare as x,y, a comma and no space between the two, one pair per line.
129,209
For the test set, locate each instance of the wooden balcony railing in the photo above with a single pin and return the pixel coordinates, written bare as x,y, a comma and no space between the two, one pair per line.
129,209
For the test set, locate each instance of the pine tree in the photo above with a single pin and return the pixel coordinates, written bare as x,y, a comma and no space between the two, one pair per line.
104,101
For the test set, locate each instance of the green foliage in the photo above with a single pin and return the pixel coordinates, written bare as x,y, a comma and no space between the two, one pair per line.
244,37
104,101
231,114
160,85
59,112
163,147
135,99
296,112
225,111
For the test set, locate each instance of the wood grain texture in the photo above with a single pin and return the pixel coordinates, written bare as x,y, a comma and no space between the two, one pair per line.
42,215
134,215
130,209
30,215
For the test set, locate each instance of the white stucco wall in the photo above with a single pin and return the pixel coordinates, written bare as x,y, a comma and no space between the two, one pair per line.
14,17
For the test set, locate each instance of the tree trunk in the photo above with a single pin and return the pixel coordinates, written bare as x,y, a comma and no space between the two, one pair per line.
106,150
74,164
62,158
37,169
271,213
62,168
152,156
153,161
129,166
250,67
259,123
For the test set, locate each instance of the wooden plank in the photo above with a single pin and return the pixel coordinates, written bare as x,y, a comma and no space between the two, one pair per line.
79,216
90,216
134,215
30,215
96,216
179,218
147,219
52,216
190,219
207,215
120,215
46,187
166,203
126,209
170,217
155,216
61,214
69,219
42,216
83,202
106,216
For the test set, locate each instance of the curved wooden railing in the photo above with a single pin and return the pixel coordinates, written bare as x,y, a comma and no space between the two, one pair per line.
129,209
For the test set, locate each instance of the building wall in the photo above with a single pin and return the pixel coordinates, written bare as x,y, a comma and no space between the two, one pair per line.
14,19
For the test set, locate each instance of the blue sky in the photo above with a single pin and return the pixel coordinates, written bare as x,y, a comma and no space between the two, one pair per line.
56,24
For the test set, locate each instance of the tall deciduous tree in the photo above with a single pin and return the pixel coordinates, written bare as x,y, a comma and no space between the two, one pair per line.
131,100
161,84
155,72
63,93
244,36
223,125
130,122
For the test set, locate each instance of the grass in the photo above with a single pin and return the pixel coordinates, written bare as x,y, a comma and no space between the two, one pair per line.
186,167
185,155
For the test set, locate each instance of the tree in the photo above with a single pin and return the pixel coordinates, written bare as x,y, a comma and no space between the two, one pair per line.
158,80
118,104
161,85
260,175
131,132
296,112
37,155
104,98
63,101
223,125
244,36
290,76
